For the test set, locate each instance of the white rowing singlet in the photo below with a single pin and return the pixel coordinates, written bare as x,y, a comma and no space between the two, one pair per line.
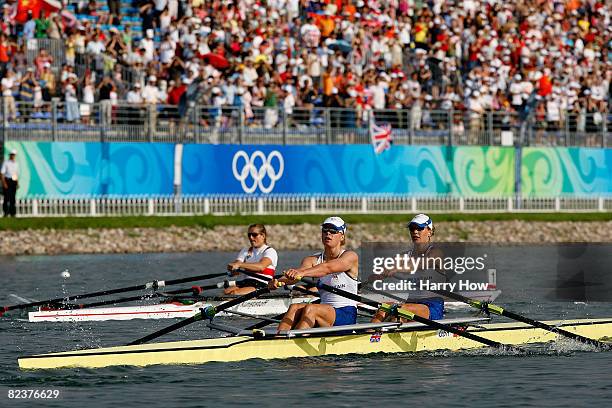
254,255
340,280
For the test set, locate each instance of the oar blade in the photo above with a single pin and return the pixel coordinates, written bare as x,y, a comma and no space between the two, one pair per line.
498,310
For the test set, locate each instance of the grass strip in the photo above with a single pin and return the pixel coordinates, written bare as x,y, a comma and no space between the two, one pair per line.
210,221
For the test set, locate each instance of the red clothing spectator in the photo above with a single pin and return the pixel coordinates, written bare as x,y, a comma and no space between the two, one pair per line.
175,93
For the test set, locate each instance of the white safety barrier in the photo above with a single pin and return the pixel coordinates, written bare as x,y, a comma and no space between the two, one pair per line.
301,204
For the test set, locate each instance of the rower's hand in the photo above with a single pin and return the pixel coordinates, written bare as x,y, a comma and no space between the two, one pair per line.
233,267
274,284
293,274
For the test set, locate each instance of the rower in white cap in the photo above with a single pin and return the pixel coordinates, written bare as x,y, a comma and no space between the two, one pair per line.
421,233
336,267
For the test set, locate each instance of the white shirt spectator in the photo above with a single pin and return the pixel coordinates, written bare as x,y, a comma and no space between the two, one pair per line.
219,100
476,107
414,88
527,87
95,47
249,75
7,86
166,51
149,46
516,90
553,113
293,9
598,91
164,22
405,34
150,94
281,62
160,5
133,96
173,8
88,94
10,170
70,93
378,96
289,103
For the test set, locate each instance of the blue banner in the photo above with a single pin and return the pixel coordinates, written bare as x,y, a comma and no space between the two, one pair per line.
60,169
346,169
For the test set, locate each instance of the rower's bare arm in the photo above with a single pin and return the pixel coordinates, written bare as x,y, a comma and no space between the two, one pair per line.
252,267
348,261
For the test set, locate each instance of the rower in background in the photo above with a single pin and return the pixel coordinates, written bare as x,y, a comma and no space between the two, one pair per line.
336,267
421,233
259,257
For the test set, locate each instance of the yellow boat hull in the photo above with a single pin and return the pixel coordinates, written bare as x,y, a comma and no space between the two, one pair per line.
241,348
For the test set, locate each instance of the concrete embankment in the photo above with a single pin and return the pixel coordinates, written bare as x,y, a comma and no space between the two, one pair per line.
286,237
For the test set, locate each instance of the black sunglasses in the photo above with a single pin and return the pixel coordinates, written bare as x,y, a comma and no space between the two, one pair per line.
330,230
415,227
253,234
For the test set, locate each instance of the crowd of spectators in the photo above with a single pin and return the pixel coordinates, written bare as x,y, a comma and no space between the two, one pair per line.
541,57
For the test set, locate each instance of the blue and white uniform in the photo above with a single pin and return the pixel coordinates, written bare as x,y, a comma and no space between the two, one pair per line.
435,303
346,309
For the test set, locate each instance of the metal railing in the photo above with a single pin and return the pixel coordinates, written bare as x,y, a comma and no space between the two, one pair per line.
301,204
107,121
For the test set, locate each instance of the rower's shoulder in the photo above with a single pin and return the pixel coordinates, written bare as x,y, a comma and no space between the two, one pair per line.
311,260
349,254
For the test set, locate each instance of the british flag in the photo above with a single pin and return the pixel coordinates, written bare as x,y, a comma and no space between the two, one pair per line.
375,338
382,136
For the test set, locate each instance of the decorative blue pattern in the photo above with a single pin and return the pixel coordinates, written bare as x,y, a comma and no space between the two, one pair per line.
55,169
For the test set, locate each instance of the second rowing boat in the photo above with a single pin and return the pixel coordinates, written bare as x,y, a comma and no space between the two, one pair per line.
264,306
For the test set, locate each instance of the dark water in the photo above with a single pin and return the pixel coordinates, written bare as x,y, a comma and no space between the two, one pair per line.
562,374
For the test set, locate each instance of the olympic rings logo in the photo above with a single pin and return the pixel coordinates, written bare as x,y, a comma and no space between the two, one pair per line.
257,168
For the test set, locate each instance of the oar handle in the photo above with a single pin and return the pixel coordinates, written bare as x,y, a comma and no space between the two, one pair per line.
281,284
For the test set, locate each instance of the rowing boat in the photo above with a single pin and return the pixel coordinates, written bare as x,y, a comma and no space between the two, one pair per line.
265,306
365,339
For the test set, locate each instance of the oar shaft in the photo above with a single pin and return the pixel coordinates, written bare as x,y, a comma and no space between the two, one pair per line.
432,323
168,329
498,310
149,285
205,313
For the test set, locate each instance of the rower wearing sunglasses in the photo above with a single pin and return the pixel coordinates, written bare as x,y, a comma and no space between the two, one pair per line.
259,257
336,267
421,233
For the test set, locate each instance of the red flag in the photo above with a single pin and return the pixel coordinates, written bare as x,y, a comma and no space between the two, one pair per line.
36,7
25,6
